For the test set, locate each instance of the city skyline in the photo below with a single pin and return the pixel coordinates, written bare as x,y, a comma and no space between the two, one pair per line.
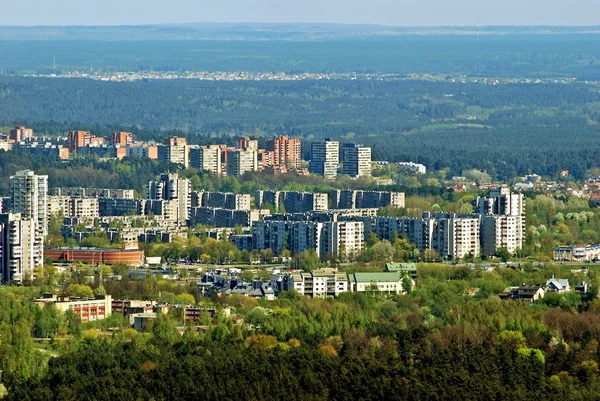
378,12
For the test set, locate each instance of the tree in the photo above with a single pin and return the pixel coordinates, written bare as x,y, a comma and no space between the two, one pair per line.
79,290
503,254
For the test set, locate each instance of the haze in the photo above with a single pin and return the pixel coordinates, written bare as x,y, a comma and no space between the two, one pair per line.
384,12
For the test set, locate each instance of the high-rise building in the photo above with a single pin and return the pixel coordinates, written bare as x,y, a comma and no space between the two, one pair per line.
29,197
506,226
324,158
356,160
175,150
21,134
172,188
121,138
246,143
78,139
240,162
18,250
206,158
286,151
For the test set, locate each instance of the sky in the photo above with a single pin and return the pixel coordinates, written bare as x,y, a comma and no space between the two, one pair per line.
382,12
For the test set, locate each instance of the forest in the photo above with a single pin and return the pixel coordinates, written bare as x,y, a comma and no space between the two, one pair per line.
449,338
505,129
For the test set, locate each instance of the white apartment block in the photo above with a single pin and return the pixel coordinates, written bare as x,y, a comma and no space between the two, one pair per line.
240,162
19,250
29,194
172,188
456,237
324,158
206,158
343,238
498,231
321,283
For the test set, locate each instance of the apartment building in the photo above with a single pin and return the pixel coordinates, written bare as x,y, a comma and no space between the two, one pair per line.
321,283
292,201
29,197
269,235
19,250
121,138
356,160
501,231
225,200
121,207
324,158
358,199
174,150
241,161
246,143
455,236
86,208
207,158
285,151
219,217
172,188
343,238
305,235
21,134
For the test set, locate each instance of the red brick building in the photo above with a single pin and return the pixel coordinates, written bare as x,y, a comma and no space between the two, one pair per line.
286,152
93,256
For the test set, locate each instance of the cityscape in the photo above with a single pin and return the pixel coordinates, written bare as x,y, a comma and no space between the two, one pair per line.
256,207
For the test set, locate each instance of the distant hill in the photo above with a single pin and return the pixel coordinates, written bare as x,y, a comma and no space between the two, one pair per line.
258,31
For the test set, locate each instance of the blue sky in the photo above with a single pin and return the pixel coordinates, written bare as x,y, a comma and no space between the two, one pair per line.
385,12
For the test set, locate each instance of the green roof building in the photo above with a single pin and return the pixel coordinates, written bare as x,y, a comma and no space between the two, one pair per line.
409,268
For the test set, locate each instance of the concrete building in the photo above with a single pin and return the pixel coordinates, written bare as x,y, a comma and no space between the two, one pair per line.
246,143
172,188
121,138
225,200
507,229
305,235
358,199
121,207
21,134
500,231
78,139
207,158
292,201
356,160
43,150
269,235
219,217
324,158
87,309
412,168
29,197
343,238
241,161
321,283
286,151
86,208
383,283
19,251
455,236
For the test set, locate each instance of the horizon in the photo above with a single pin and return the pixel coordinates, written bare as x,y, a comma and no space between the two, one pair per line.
354,24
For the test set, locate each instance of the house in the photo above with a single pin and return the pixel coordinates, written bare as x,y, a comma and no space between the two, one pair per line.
408,268
557,285
581,287
524,292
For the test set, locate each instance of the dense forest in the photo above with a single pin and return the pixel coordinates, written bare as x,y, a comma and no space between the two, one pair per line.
449,338
505,129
